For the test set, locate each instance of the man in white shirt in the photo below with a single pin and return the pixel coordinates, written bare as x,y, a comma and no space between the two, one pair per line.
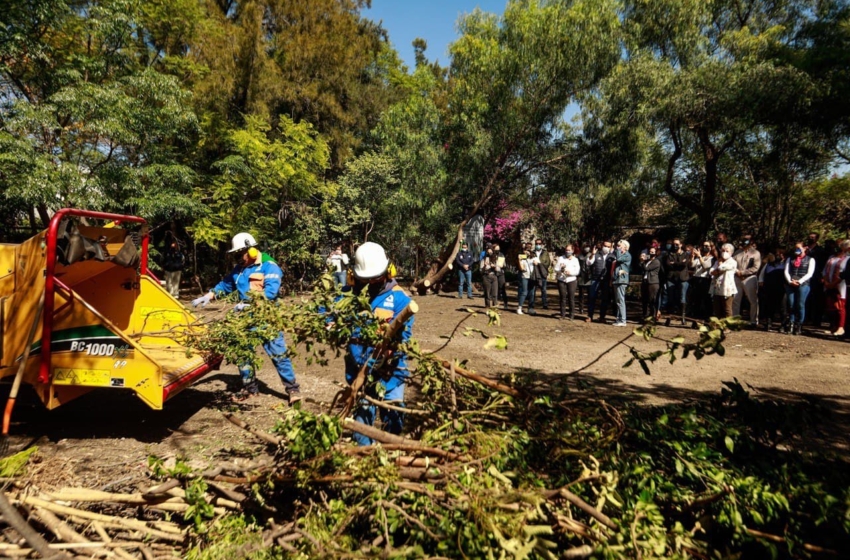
748,260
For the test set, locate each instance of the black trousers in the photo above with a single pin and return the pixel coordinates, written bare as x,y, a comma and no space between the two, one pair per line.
491,290
649,299
567,290
772,302
701,301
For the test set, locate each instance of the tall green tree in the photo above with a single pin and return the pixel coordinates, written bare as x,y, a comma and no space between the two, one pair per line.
84,121
703,78
510,80
319,62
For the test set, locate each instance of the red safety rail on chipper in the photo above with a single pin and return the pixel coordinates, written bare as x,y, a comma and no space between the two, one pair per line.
106,320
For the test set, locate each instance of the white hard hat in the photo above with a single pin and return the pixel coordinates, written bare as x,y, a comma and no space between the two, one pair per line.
370,261
242,241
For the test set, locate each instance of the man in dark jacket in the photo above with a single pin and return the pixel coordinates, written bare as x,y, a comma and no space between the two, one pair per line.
542,265
596,266
650,282
173,265
463,262
676,271
584,276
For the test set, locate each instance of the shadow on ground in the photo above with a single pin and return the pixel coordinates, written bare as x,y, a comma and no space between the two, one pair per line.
106,414
829,414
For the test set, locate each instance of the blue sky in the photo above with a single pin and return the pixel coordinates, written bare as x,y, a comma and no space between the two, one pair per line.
433,20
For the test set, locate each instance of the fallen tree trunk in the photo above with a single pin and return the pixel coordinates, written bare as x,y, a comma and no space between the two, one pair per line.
448,254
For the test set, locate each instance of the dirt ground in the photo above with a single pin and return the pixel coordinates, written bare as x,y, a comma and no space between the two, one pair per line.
103,440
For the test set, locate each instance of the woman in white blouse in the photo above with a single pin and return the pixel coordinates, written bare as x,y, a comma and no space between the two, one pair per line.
723,288
567,270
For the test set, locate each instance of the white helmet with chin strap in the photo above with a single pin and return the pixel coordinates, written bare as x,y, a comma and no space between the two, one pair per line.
242,241
370,261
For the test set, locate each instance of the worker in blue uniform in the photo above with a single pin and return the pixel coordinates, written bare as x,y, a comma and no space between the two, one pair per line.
255,273
372,270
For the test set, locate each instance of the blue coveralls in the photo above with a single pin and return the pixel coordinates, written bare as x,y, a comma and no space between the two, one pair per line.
386,305
264,277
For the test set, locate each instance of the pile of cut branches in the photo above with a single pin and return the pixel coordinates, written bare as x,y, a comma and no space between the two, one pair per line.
524,467
517,467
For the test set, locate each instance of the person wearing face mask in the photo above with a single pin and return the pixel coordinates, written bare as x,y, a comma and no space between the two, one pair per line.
527,277
583,277
702,260
596,263
723,287
620,280
835,288
567,270
500,274
258,275
649,284
489,265
748,260
542,265
337,261
772,289
677,275
463,261
799,270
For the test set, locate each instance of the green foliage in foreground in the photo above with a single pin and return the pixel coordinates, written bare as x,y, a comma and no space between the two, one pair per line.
678,481
15,464
721,477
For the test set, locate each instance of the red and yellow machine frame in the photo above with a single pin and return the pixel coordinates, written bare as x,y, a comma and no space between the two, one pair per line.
102,325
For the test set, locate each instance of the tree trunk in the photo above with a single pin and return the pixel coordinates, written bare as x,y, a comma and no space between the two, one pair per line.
706,214
43,214
439,268
33,225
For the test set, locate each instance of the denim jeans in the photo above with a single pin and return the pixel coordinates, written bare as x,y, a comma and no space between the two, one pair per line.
339,278
797,296
539,285
677,291
393,420
525,292
620,298
464,276
593,291
276,349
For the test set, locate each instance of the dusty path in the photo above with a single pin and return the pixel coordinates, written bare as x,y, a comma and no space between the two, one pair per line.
103,439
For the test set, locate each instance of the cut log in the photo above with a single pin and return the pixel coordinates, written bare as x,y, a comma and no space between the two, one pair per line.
495,385
132,524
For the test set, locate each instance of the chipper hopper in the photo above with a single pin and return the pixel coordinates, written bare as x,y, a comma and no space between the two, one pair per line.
83,302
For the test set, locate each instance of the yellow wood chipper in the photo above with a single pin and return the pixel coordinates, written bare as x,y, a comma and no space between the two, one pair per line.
80,306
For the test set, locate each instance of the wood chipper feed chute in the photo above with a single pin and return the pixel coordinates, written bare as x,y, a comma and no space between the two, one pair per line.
107,322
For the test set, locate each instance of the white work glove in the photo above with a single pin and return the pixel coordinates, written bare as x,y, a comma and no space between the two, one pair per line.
203,301
240,306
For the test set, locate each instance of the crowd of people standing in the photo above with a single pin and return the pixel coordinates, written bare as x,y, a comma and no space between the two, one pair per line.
678,282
